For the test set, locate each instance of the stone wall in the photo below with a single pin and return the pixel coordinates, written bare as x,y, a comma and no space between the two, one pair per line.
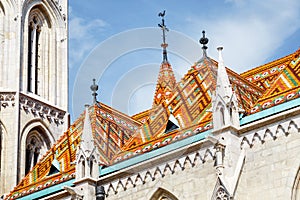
270,169
272,161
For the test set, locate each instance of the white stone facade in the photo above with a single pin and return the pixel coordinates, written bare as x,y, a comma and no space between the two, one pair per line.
270,168
260,161
31,119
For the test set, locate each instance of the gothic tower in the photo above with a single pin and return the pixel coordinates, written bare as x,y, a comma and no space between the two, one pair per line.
33,83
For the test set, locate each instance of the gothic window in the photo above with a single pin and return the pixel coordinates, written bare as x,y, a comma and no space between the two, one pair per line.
222,120
34,29
36,146
82,167
162,194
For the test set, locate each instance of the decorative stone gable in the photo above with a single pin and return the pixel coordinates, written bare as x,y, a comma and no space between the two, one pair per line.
220,191
225,105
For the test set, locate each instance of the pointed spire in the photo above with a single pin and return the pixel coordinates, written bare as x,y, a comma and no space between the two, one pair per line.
223,85
225,105
166,80
94,89
87,155
87,141
164,28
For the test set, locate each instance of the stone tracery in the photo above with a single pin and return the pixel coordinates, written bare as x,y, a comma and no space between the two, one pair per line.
36,145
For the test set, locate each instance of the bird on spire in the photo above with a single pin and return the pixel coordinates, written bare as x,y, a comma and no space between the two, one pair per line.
164,28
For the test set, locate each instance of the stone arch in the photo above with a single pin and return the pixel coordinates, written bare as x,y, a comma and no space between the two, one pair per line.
8,7
296,187
36,145
219,116
55,18
2,142
222,116
162,194
2,11
35,138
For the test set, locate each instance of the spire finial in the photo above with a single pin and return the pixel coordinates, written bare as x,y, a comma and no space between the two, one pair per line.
164,29
94,89
204,42
220,48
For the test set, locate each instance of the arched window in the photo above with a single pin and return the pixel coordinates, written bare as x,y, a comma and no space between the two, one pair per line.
221,117
34,30
162,194
37,46
36,146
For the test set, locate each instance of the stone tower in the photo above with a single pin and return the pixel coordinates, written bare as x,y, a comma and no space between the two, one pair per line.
33,83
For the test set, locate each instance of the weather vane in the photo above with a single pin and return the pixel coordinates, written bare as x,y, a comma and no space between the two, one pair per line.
164,29
162,25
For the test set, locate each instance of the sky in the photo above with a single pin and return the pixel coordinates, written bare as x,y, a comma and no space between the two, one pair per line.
117,42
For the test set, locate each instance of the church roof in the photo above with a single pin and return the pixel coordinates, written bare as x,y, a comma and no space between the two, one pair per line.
111,129
184,114
279,79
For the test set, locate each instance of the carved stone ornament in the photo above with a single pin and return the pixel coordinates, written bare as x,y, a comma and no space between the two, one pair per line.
41,109
7,99
220,192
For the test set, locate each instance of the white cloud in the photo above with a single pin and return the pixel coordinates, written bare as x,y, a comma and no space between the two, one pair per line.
250,31
81,28
82,36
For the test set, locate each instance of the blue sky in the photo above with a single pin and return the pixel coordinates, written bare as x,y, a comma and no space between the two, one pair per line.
118,43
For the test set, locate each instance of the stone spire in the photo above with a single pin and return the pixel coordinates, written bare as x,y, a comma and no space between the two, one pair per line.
223,85
224,102
87,141
166,80
87,156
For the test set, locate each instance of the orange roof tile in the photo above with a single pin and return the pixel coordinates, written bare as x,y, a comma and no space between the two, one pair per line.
111,129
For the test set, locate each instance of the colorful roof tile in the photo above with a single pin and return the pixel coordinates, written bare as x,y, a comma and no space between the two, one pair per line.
165,84
111,129
285,86
189,104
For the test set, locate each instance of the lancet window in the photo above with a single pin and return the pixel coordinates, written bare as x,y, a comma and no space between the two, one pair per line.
34,30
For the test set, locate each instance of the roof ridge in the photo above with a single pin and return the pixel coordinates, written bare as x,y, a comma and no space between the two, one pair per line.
117,112
266,65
